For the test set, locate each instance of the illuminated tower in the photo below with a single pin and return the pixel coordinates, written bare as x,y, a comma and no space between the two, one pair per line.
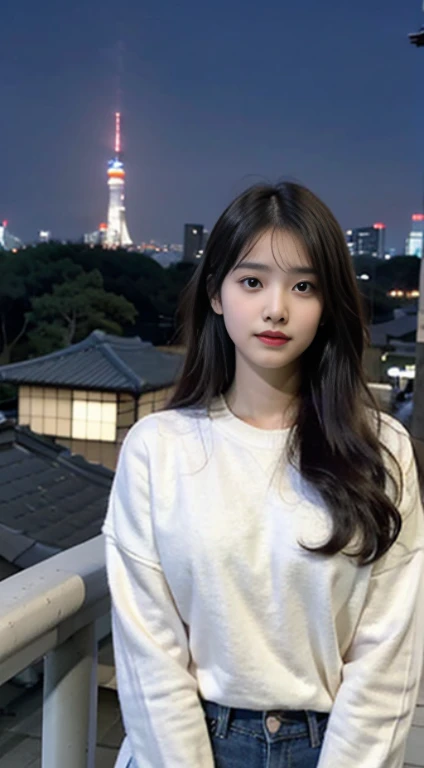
117,230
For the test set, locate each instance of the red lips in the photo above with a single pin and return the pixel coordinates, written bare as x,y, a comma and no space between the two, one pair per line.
274,335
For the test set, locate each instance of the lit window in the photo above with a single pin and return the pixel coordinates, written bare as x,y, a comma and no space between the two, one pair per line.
94,420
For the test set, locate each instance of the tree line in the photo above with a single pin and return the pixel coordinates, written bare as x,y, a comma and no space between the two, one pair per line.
55,294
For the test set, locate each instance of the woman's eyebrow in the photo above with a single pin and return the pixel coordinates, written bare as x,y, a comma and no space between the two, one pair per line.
265,268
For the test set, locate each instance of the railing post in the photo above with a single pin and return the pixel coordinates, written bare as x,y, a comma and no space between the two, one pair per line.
70,702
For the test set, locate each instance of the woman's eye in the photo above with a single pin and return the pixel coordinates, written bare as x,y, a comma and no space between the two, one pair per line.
249,280
303,284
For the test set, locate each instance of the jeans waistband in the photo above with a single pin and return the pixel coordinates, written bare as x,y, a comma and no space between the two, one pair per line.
300,715
223,716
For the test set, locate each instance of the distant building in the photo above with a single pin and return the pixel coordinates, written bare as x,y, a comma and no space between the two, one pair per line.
415,239
44,236
8,242
194,242
367,241
98,237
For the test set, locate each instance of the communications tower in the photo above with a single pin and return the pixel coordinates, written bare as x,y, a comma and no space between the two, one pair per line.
117,230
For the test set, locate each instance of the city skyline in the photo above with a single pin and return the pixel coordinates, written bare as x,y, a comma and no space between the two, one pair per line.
99,237
325,96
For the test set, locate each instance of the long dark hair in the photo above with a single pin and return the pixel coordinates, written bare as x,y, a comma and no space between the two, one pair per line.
333,443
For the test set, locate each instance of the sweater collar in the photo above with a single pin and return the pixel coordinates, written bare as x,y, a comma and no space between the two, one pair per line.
235,427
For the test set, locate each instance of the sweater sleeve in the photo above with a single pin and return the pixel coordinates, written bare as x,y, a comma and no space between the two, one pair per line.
374,707
163,718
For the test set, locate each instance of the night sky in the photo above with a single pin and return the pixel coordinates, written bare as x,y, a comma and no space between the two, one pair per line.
214,96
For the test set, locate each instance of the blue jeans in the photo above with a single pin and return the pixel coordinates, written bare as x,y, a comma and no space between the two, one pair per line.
244,738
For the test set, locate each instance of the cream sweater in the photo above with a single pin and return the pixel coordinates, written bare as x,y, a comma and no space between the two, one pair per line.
213,595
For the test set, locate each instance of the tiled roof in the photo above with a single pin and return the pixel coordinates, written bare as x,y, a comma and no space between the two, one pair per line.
101,362
49,499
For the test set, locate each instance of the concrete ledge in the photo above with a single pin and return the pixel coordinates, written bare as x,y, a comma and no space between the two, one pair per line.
42,606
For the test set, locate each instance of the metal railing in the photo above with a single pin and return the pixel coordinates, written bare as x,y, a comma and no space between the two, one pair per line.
58,610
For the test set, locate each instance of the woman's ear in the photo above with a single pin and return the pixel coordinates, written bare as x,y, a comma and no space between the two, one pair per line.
215,301
216,305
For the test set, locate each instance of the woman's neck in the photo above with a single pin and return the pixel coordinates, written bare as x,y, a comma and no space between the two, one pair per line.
263,406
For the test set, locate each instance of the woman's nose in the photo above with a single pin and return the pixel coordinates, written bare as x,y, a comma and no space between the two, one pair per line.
276,307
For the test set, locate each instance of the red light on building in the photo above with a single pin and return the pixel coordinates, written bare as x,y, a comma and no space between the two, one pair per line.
5,223
379,225
102,227
418,217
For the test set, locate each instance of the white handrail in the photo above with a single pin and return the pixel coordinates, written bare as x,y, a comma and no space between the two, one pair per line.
53,609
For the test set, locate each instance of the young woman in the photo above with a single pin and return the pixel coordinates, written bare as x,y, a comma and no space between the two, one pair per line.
265,535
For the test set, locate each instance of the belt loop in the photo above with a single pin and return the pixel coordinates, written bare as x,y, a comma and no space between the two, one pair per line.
313,728
223,721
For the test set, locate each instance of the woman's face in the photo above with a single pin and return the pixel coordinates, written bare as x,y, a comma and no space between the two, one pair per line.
273,288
